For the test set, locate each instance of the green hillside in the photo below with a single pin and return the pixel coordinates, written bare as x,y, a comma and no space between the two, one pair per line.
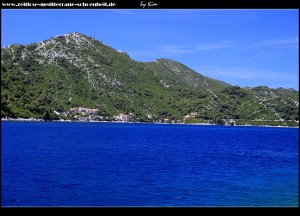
45,79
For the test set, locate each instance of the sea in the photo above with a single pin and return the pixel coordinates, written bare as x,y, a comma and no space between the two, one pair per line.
73,164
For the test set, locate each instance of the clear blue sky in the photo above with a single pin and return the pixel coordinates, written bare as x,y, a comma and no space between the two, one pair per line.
241,47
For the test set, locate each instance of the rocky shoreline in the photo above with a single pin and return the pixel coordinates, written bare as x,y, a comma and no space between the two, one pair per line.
200,124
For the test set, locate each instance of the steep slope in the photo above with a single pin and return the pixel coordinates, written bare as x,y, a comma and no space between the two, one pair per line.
175,74
74,70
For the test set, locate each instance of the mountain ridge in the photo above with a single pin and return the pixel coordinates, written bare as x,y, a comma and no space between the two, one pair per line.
74,70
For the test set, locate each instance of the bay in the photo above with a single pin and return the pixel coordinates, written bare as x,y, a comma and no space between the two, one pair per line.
116,164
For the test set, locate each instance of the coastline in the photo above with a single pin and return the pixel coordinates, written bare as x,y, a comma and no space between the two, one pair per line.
120,122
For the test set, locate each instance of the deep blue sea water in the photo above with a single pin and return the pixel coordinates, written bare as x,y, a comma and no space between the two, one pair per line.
111,164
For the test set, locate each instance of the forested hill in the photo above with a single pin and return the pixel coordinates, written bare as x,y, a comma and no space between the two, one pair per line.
51,79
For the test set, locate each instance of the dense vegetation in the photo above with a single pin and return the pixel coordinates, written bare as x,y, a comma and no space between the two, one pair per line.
75,70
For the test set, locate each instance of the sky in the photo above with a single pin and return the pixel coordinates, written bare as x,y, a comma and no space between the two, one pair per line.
246,47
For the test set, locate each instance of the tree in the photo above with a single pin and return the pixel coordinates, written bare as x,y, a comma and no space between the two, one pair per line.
47,116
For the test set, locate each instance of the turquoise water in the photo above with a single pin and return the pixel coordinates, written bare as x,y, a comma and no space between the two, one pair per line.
110,164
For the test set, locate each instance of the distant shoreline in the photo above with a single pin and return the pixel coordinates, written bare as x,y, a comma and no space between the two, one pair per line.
199,124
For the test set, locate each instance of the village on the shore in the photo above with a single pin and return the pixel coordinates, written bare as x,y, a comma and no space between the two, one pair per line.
83,114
